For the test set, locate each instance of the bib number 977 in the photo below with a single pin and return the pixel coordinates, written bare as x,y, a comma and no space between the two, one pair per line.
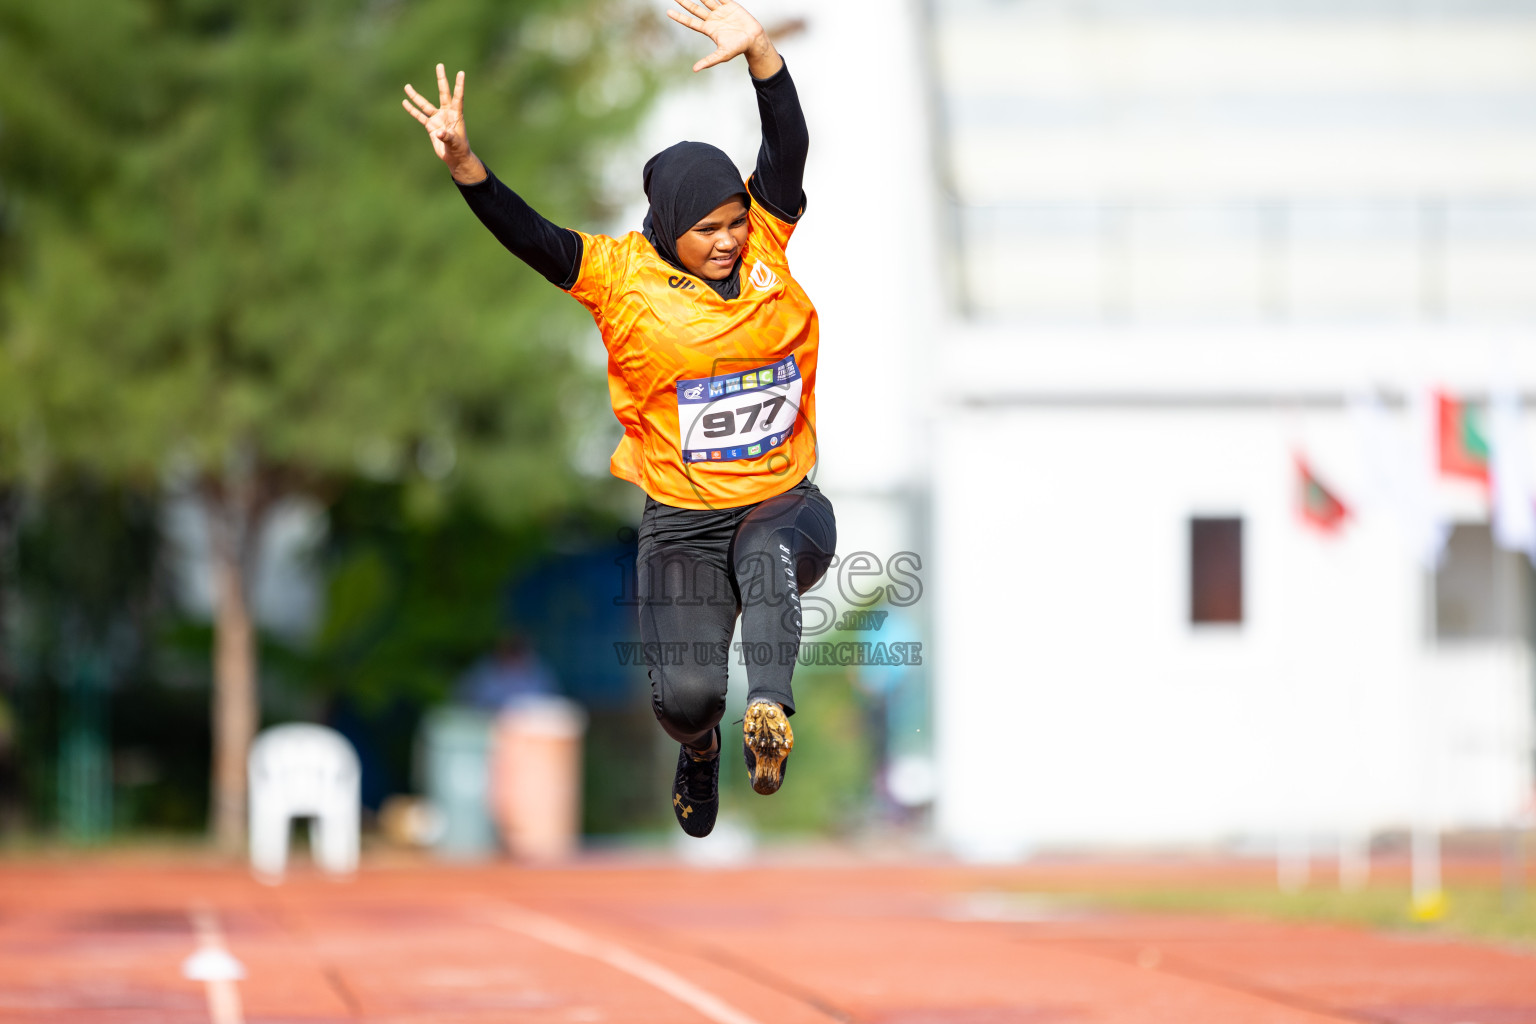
743,421
738,416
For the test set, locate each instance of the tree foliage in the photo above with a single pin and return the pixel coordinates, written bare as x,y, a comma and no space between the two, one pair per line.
225,235
228,254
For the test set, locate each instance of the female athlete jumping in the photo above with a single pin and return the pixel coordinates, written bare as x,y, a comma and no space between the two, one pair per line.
712,372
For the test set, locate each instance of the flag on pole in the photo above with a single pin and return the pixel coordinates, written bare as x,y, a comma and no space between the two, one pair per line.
1319,506
1510,505
1400,460
1463,443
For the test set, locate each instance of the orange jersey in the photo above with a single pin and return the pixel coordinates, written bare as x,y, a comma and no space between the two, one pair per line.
716,396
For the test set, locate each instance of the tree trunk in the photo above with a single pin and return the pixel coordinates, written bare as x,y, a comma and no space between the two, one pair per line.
233,523
234,700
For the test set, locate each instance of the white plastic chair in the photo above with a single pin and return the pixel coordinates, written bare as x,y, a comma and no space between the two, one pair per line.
303,771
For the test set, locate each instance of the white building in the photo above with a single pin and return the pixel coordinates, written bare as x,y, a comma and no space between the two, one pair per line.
1187,232
1090,273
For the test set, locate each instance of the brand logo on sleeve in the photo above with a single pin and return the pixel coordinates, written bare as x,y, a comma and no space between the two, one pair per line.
680,282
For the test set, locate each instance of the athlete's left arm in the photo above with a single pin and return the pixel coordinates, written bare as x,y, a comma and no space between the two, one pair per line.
777,182
781,158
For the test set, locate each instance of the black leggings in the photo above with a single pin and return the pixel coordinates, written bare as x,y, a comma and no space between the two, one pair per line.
699,569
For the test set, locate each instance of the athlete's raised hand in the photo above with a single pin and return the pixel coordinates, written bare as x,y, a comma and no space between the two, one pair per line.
445,126
733,31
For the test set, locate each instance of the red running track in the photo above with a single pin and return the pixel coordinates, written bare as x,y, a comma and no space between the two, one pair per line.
105,941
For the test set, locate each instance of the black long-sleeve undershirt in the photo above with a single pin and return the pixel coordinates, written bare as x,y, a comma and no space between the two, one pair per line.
548,248
555,252
780,172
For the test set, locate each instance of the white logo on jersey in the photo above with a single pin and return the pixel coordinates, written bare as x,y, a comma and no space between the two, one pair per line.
762,276
694,392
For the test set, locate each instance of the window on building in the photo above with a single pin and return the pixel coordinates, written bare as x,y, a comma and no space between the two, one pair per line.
1480,591
1216,570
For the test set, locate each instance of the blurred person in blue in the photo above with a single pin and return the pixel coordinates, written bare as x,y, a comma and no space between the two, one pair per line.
713,349
510,674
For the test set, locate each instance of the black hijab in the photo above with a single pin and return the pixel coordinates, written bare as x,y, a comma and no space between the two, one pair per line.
684,183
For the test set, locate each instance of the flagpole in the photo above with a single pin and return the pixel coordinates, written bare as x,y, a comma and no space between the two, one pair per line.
1354,843
1506,583
1512,526
1293,853
1428,901
1321,510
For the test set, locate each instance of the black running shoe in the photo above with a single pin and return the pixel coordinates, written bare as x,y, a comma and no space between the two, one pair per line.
696,789
766,739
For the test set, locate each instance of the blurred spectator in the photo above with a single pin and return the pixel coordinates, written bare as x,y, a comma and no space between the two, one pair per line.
509,674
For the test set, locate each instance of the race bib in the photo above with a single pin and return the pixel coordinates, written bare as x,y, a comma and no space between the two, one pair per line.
736,416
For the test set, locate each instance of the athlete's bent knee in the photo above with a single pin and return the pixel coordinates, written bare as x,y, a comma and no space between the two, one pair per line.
689,700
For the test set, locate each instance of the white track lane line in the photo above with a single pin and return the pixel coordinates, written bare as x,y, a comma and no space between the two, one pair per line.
556,933
215,967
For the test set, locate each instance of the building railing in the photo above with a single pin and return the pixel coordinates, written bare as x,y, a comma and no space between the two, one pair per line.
1428,259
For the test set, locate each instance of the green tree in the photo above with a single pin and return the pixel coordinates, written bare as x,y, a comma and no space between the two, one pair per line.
236,261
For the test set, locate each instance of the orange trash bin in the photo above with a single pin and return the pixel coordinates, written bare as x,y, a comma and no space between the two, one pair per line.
536,777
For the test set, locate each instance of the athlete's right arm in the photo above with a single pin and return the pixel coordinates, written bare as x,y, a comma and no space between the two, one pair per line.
777,181
553,251
445,125
548,248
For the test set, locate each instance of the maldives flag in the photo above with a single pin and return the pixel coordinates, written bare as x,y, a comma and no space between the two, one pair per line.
1319,506
1463,444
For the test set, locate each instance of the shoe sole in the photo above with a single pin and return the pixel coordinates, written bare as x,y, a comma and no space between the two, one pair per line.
768,735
